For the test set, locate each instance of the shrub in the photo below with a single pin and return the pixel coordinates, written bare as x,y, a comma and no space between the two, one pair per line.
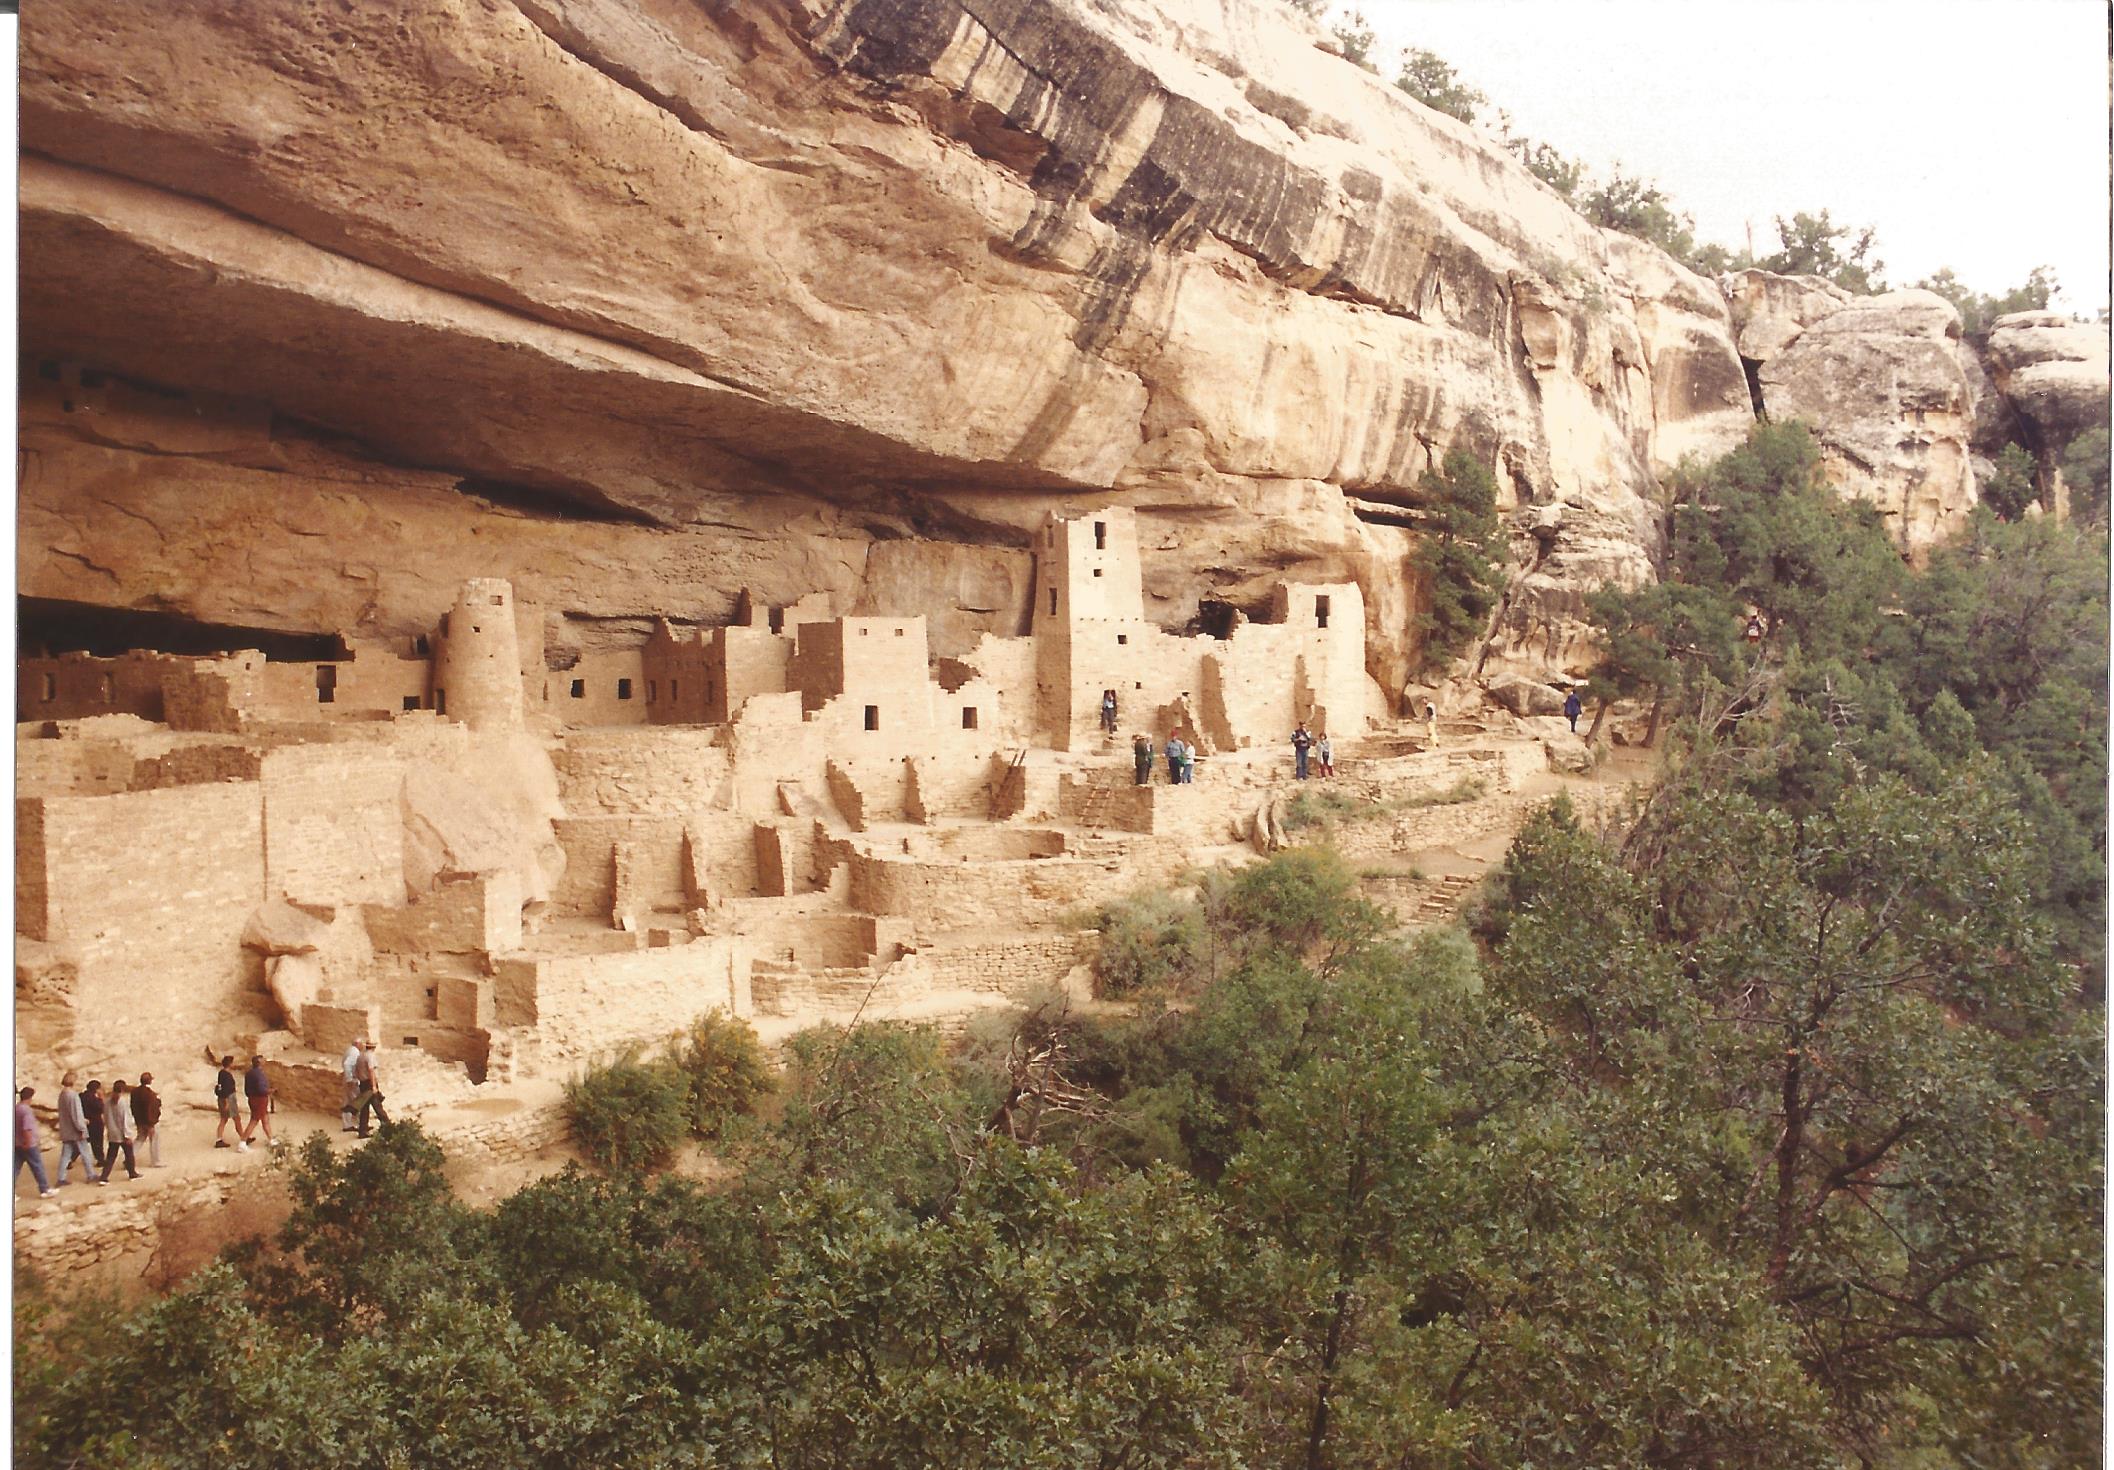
629,1115
723,1064
1150,941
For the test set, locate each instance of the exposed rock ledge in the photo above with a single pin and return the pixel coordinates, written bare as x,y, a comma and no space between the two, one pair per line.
832,274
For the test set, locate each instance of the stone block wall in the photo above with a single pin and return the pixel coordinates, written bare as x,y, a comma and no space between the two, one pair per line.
333,824
150,890
636,772
583,1003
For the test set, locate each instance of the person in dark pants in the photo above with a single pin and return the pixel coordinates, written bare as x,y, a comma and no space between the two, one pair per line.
1573,706
1141,760
370,1090
1174,757
92,1111
29,1149
117,1112
1302,742
1108,710
146,1114
224,1100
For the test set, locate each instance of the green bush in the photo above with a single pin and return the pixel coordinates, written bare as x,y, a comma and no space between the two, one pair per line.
724,1066
1150,941
629,1115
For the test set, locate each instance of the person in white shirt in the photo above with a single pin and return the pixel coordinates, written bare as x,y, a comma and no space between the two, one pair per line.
352,1087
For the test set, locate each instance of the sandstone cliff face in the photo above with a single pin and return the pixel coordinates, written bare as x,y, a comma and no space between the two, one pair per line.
2049,374
763,291
1883,381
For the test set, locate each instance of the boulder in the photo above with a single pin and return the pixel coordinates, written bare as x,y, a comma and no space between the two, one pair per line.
1525,697
2053,374
1880,381
278,928
295,981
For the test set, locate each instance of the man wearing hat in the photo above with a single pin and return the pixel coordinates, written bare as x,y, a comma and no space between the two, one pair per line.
346,1110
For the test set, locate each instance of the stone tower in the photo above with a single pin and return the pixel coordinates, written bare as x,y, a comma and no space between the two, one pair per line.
477,661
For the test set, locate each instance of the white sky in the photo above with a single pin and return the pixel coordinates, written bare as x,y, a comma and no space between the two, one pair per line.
1971,133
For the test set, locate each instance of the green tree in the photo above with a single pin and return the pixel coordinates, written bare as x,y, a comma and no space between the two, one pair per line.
1032,1323
1355,35
1841,994
2009,488
630,1114
1428,77
2084,466
1979,311
1814,245
1460,553
724,1065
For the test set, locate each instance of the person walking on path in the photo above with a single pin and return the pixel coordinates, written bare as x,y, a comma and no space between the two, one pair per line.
1108,710
73,1133
1573,706
224,1100
1302,742
28,1149
257,1088
146,1113
370,1089
117,1112
1326,754
352,1087
1141,760
92,1110
1431,725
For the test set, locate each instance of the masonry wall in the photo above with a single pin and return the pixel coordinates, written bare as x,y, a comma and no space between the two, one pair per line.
946,895
370,685
334,824
480,914
151,889
582,1005
665,771
600,689
75,686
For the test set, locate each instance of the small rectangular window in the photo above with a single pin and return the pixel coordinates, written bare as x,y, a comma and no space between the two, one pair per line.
899,632
1097,571
1053,599
653,691
498,600
675,690
777,620
440,701
110,689
864,631
1321,612
51,686
968,717
873,717
1122,638
326,683
623,689
579,689
411,701
1100,537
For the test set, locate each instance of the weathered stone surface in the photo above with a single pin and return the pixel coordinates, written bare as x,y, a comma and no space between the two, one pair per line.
1879,380
805,278
2053,373
280,929
487,813
1525,696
